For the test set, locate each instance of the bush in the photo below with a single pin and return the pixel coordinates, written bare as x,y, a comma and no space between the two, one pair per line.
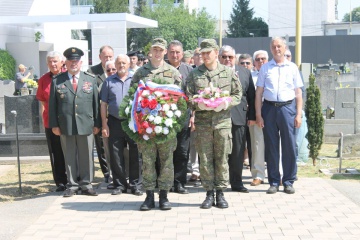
7,65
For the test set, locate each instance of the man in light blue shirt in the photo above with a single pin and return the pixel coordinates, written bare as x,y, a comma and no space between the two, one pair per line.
279,83
113,91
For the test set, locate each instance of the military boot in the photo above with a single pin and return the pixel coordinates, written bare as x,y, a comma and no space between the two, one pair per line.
220,200
164,203
209,200
149,202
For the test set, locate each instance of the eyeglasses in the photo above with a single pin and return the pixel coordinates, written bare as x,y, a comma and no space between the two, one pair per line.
258,59
287,55
243,63
225,57
111,70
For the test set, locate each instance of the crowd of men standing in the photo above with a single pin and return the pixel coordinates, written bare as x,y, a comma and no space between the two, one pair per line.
80,108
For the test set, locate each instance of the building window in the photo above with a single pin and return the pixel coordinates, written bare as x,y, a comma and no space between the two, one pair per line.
341,32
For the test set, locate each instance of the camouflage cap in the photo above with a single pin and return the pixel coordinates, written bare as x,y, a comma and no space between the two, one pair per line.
207,45
159,42
187,54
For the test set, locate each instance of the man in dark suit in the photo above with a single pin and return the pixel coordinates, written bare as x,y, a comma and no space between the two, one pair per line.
74,116
240,114
106,54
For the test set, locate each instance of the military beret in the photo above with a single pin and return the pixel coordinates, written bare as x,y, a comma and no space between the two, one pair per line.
159,42
73,53
207,45
132,53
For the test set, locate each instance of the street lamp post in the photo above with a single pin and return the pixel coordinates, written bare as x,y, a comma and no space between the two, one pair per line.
18,150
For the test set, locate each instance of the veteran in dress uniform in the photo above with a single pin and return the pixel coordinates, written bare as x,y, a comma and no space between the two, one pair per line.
213,138
74,115
157,68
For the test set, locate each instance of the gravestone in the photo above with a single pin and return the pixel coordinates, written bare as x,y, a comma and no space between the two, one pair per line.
344,95
27,108
351,141
7,88
326,81
32,140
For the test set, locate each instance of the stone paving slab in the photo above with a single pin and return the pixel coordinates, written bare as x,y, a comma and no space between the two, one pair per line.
316,211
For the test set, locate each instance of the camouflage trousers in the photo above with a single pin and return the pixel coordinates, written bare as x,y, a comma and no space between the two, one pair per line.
166,176
214,147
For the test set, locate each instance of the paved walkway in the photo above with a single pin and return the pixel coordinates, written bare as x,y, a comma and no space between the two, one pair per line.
316,211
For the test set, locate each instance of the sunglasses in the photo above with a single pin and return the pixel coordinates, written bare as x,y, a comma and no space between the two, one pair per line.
111,70
258,59
247,63
225,57
287,55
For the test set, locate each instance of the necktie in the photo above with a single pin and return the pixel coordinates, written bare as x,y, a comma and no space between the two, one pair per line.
74,83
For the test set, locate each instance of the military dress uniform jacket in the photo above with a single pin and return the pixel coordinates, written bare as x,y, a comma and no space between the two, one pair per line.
98,71
222,77
246,109
75,113
166,72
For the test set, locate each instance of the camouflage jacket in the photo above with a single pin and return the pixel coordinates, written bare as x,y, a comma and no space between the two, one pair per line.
222,77
165,72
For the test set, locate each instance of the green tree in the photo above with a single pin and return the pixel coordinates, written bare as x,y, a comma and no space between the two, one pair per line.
355,15
242,22
110,6
132,33
315,120
7,65
176,22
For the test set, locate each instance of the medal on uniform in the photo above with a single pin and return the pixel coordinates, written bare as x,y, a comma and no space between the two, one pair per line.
62,95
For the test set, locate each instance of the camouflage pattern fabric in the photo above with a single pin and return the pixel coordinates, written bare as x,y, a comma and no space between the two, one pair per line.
166,177
165,180
213,138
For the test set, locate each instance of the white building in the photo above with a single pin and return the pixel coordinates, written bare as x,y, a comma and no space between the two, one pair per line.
282,17
21,19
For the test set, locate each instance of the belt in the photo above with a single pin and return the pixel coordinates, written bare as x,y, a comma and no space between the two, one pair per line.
278,104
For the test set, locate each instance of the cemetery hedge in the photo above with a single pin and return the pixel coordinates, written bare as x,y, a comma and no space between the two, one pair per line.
7,65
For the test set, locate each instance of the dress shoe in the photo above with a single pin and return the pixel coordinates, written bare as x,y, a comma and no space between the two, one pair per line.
272,190
256,182
69,193
117,191
209,200
149,202
60,188
164,203
240,189
180,189
289,189
137,192
220,200
110,186
89,192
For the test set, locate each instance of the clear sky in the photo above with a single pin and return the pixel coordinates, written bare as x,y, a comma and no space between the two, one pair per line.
261,7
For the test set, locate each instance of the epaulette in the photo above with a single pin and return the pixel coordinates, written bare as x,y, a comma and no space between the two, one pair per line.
90,74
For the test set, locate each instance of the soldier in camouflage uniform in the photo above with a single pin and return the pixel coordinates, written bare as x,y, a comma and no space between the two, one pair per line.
213,139
157,68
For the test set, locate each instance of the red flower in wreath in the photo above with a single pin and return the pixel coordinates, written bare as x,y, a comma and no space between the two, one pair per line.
153,103
145,103
145,124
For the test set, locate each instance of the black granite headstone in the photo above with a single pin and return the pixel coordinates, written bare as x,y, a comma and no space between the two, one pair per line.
27,108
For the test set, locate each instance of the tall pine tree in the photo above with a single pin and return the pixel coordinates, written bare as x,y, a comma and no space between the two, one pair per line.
315,119
242,22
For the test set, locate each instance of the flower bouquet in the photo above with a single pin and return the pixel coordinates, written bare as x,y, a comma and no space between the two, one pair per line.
153,111
30,83
212,99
